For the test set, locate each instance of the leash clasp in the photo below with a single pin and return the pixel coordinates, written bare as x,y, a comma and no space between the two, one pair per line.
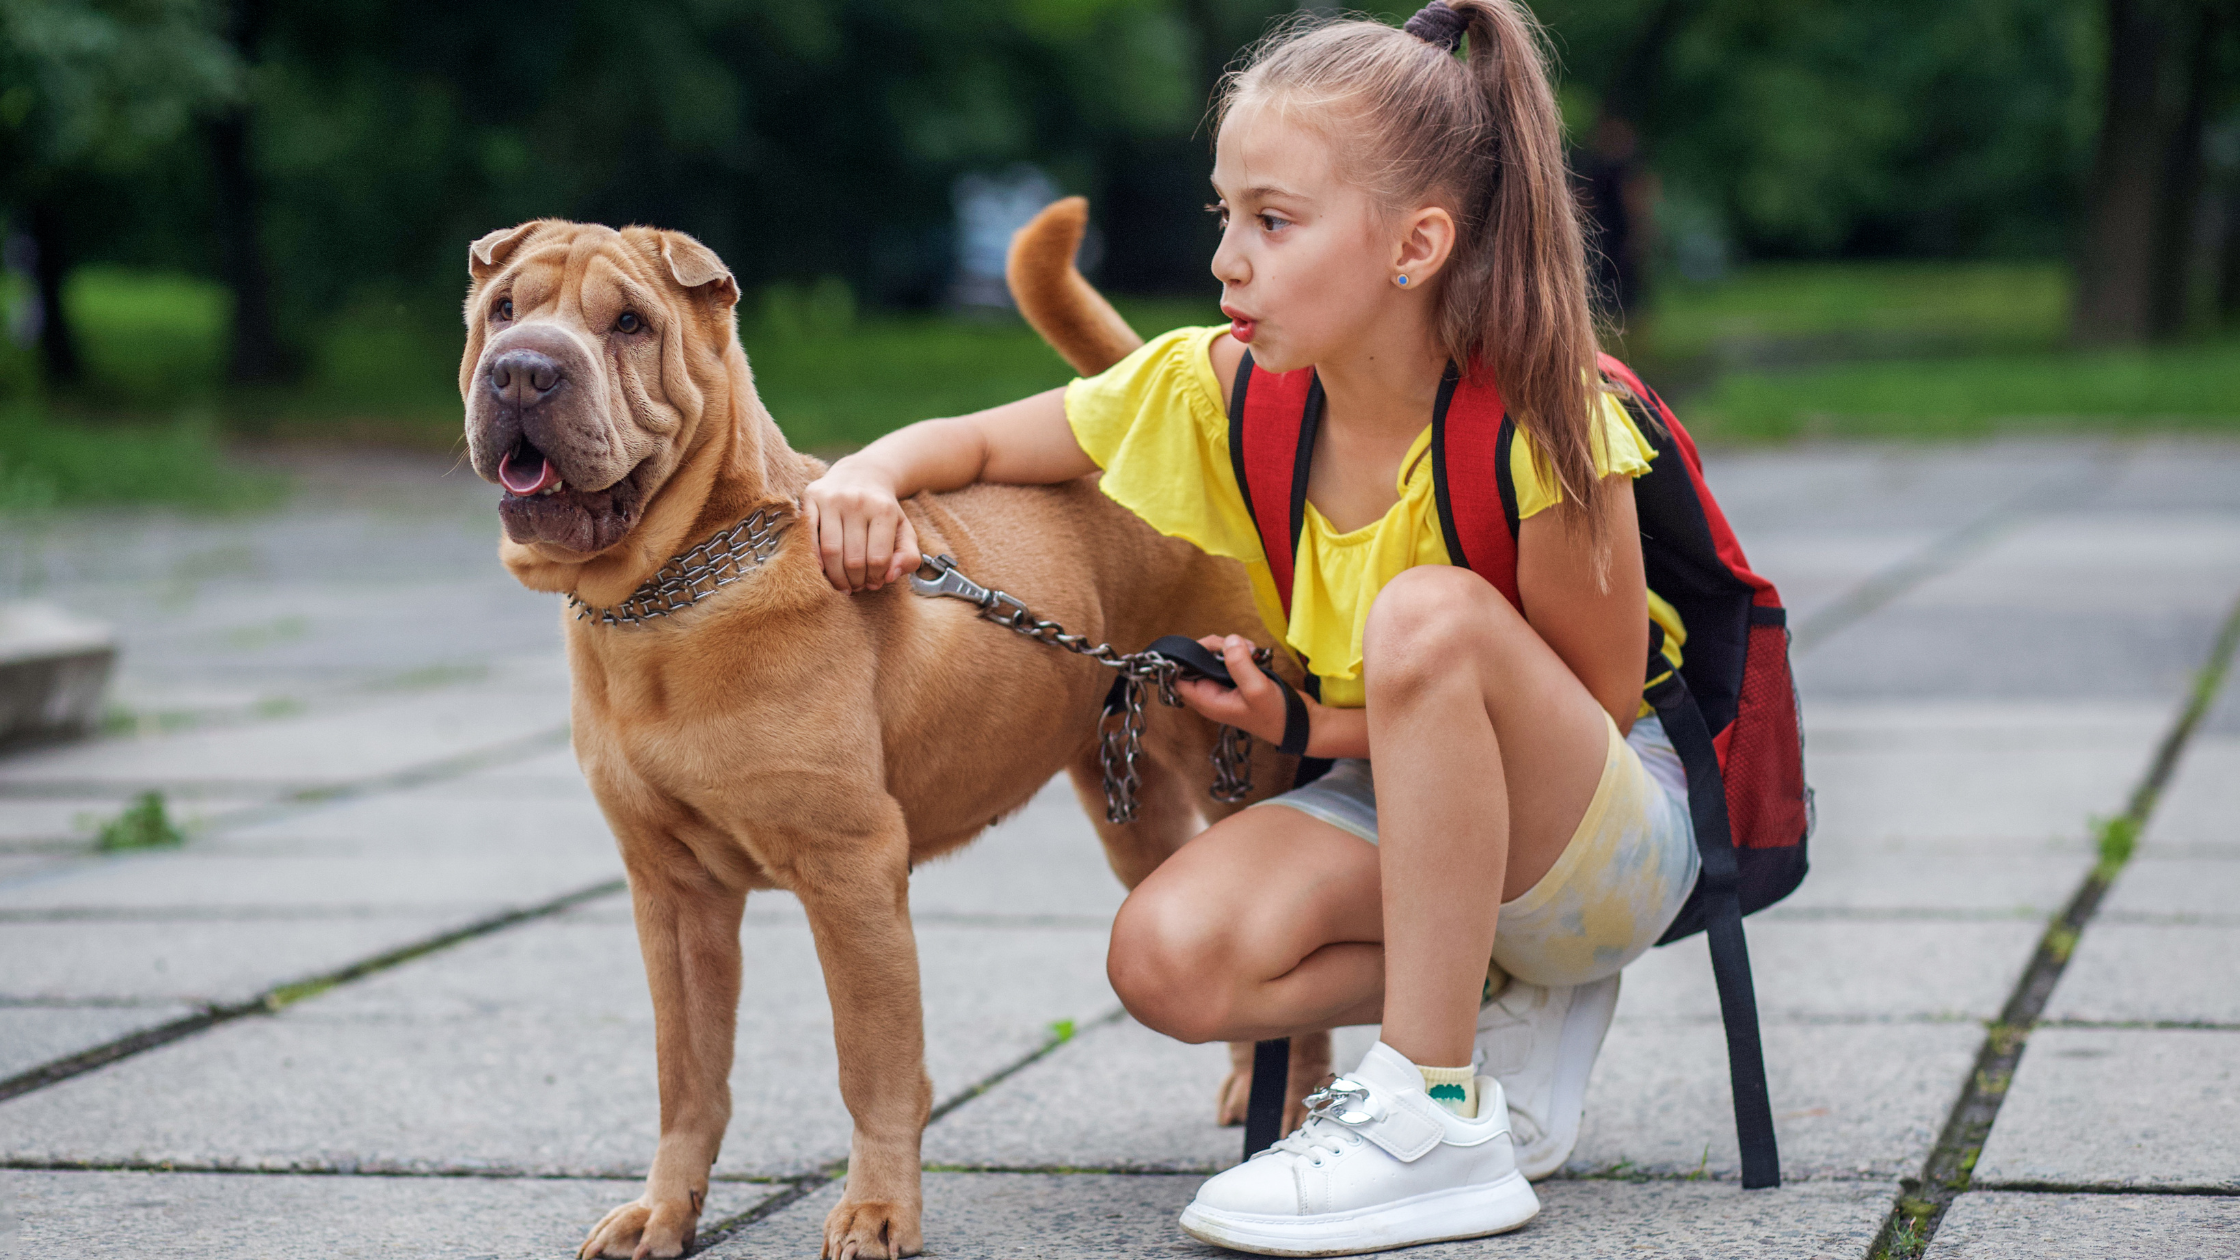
946,580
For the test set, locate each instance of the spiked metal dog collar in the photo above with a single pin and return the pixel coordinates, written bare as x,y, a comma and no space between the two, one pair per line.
726,557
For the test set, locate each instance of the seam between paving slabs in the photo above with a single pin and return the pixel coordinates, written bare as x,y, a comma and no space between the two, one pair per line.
1949,1170
802,1187
1943,554
796,1187
281,996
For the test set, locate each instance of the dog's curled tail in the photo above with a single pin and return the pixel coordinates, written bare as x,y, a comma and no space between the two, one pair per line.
1056,301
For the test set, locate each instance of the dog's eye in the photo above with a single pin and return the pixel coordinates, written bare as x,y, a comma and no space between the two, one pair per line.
628,322
504,312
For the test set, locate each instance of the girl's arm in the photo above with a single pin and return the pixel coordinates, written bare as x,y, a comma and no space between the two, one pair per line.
1598,623
1595,615
855,511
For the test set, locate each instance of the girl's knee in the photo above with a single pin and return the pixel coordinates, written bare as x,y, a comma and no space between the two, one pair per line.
1167,965
1432,624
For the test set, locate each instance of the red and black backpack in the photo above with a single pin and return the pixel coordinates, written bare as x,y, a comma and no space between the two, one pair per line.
1730,709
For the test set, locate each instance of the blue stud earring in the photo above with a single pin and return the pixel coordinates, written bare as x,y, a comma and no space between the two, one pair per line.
1403,281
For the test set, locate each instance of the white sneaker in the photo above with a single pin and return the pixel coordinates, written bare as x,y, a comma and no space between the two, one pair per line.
1540,1042
1378,1164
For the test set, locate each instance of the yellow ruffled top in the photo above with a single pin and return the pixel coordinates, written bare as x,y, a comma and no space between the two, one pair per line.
1156,424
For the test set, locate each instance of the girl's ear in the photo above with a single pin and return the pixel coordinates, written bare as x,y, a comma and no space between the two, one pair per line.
1426,242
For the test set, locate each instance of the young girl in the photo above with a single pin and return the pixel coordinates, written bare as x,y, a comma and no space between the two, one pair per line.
1388,209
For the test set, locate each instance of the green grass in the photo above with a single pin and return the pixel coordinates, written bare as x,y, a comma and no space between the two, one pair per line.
1819,307
838,389
47,463
149,341
1774,352
2186,387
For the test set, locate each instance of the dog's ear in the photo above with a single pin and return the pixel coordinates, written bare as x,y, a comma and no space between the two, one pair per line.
486,257
695,265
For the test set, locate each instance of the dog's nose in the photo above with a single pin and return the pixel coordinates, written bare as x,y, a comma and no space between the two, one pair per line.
523,378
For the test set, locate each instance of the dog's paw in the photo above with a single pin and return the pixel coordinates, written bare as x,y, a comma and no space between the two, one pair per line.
1231,1103
1310,1067
642,1230
871,1229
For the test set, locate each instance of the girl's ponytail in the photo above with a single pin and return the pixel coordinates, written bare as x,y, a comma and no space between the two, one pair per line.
1535,330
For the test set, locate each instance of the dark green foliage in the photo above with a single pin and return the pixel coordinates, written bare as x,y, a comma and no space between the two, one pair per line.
1824,127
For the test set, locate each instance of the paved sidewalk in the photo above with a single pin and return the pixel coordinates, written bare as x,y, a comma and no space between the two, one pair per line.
386,1001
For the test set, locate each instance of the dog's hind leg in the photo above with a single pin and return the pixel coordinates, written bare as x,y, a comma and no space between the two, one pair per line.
1167,815
688,931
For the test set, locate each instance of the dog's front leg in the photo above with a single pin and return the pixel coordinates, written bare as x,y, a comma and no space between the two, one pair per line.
859,909
688,931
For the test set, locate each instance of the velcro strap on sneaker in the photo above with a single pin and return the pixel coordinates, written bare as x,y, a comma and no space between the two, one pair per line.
1409,1128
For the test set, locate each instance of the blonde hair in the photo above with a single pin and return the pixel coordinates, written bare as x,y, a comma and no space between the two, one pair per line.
1413,124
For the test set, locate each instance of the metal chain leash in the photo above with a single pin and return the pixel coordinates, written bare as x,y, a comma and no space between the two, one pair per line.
1120,727
689,577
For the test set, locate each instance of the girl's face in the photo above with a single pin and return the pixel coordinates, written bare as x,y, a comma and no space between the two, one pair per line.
1307,260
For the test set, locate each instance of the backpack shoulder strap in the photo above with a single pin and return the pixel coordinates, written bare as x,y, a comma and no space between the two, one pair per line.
1272,421
1473,438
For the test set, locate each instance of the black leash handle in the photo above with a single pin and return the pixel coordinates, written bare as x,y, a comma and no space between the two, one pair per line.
1195,660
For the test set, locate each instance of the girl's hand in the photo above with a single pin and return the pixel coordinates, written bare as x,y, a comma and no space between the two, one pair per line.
1254,705
863,539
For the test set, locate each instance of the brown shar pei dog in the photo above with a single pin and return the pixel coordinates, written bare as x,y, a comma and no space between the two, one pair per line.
776,733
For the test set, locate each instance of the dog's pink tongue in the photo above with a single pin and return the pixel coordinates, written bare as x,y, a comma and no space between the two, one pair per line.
526,475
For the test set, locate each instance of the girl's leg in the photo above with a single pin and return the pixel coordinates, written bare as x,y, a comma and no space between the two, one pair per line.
1486,750
1265,924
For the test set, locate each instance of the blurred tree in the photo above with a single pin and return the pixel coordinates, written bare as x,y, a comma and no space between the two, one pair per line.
2134,269
90,88
257,354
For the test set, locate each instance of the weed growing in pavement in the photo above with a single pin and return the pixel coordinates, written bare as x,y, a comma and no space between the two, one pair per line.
1061,1031
145,824
2116,838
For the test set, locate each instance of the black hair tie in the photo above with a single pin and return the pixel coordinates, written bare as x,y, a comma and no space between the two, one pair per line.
1435,23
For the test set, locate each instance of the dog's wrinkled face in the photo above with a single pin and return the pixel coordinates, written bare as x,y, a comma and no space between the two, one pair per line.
586,363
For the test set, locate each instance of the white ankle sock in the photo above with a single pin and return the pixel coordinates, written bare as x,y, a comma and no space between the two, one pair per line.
1454,1088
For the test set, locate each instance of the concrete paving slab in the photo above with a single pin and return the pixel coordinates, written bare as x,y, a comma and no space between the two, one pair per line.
188,1216
1812,567
1837,969
1044,860
2149,564
344,746
430,819
1090,1215
2130,1108
2182,473
2008,1225
1936,653
16,867
2147,973
193,959
2021,771
1891,878
1849,1099
2202,804
2176,889
464,882
1117,1096
1866,486
35,1035
532,1051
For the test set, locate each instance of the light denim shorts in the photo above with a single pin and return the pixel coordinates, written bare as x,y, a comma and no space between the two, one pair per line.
1620,882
